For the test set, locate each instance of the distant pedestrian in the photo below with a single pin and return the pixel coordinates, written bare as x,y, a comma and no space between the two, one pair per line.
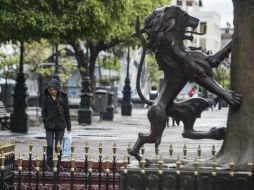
55,115
193,92
217,103
153,94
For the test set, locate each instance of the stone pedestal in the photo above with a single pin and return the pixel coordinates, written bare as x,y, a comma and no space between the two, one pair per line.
185,179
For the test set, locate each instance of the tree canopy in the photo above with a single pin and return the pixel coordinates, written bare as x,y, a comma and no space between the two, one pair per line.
66,20
89,26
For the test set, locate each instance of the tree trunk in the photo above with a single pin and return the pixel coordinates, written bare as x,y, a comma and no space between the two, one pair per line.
94,54
239,140
81,58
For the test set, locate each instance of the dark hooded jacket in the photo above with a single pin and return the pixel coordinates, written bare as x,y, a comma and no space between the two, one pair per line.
55,116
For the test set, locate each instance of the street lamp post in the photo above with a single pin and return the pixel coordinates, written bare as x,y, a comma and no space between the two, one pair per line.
18,117
85,111
126,106
56,72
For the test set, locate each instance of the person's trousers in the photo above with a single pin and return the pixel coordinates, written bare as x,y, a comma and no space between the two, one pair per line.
53,135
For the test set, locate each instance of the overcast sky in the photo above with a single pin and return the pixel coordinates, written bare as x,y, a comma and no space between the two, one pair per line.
223,7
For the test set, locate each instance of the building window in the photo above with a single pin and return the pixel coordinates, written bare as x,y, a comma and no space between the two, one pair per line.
179,3
189,3
203,26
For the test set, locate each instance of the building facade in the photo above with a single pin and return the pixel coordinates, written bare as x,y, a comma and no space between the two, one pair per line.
211,40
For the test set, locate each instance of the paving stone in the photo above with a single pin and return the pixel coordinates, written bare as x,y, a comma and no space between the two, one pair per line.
123,130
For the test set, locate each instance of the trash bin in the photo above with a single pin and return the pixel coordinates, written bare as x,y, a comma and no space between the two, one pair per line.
109,114
101,101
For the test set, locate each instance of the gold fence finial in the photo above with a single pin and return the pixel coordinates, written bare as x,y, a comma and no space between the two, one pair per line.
90,163
58,148
250,168
171,151
213,151
30,146
100,148
44,148
125,164
86,147
72,148
19,162
142,150
72,160
161,162
232,168
185,152
195,164
129,148
214,164
37,162
178,165
142,164
114,148
199,152
55,159
2,160
157,153
107,161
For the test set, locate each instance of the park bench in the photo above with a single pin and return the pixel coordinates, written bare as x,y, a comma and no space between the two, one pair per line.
4,117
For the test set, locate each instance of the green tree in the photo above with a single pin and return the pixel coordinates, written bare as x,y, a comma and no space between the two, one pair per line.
110,63
222,74
8,65
96,25
36,54
154,74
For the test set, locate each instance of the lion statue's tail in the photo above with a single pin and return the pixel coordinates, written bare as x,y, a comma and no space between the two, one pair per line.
141,95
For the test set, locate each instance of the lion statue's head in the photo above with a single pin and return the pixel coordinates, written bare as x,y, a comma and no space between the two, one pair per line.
167,24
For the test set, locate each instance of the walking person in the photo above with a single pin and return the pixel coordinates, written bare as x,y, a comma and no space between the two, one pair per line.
55,115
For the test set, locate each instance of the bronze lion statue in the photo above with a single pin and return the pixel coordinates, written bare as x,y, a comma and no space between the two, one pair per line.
165,30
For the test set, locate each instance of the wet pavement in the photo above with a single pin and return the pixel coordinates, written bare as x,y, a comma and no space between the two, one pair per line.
123,130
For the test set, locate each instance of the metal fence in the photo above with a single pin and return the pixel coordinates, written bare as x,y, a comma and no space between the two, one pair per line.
107,173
